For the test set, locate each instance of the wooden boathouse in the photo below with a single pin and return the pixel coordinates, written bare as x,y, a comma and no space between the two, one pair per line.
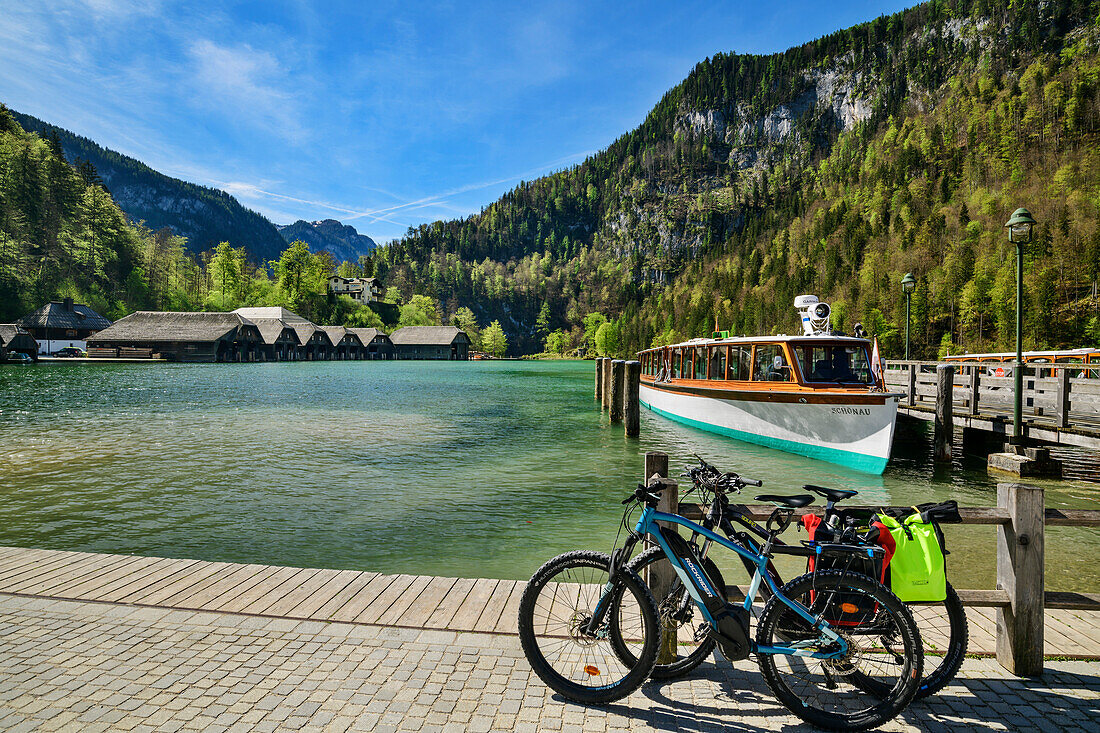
345,344
14,339
279,340
179,336
431,342
376,345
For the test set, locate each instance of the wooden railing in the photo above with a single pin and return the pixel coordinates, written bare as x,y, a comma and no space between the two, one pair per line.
1020,597
1060,395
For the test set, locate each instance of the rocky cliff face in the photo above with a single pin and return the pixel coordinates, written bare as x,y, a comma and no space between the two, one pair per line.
342,241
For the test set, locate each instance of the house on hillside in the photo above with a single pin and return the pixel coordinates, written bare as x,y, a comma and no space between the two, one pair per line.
210,337
431,342
15,339
360,289
60,324
376,345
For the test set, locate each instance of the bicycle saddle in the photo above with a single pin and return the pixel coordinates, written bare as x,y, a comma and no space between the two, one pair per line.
831,494
794,502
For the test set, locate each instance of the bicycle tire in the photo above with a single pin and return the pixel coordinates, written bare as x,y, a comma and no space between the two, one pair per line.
583,658
870,709
951,660
682,665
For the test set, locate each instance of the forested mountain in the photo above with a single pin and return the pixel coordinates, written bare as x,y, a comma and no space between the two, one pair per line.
902,144
204,216
339,240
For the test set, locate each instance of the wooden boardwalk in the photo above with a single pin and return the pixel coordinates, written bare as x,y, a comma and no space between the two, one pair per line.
399,601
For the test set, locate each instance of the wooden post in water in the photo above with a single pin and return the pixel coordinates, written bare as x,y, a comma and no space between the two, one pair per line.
618,379
606,401
944,426
599,379
661,575
1020,574
630,398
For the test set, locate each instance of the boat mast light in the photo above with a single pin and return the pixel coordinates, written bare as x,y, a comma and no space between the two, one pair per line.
815,315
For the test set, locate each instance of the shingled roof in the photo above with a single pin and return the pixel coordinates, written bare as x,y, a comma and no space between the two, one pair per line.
336,334
281,314
64,315
13,336
366,335
427,335
172,326
272,328
305,331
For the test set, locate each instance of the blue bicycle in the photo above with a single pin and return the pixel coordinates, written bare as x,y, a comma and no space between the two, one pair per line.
838,649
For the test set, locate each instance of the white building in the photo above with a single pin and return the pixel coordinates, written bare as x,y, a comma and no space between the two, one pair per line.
359,289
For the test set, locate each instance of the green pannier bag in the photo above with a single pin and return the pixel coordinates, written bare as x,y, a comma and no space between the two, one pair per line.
917,571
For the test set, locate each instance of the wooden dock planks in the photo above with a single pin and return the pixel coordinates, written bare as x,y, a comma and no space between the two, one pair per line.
411,601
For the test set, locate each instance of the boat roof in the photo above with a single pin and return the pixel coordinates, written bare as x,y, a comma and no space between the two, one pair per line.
781,338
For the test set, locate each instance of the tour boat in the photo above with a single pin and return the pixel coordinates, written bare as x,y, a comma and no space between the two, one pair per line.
817,394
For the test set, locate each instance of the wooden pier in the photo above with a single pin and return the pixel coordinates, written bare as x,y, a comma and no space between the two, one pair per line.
352,596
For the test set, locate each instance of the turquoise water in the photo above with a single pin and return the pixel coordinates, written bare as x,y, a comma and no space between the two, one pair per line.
481,469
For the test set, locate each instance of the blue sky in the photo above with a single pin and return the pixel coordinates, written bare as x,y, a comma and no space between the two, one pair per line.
380,114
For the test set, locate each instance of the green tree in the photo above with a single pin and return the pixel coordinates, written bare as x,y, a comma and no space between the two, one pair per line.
557,342
592,323
465,319
494,340
607,339
542,323
421,310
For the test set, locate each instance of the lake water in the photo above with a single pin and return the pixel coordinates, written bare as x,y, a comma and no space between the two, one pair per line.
479,469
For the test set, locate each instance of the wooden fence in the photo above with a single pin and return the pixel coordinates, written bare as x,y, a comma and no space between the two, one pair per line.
1020,597
1060,395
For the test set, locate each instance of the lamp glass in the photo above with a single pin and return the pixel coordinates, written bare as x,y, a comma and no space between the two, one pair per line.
1020,233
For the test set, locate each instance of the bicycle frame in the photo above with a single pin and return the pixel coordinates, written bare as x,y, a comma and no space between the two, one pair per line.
647,525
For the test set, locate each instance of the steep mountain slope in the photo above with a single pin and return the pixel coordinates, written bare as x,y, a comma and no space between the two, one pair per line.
205,216
834,167
341,241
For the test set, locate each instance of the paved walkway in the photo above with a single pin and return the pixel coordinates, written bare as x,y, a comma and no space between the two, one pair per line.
400,601
79,665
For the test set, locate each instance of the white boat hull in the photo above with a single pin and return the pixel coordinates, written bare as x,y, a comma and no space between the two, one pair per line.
858,434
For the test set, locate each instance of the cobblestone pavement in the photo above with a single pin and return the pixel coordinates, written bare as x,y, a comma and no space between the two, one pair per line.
67,665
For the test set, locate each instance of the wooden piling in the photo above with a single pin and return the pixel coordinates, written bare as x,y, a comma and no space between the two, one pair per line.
599,379
618,378
605,401
1020,546
630,398
661,576
944,426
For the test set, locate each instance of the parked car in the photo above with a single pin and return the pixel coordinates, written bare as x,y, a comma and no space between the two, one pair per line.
18,357
70,351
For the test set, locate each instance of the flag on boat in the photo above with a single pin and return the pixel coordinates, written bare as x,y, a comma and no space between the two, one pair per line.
878,366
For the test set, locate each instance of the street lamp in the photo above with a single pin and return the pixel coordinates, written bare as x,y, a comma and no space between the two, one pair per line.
908,284
1019,233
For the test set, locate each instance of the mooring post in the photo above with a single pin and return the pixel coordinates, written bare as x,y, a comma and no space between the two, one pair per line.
618,379
630,398
599,379
661,576
1020,574
944,426
1061,398
975,385
912,383
605,402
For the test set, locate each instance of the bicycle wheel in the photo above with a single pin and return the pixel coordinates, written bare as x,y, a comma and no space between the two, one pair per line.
872,684
945,634
558,602
677,612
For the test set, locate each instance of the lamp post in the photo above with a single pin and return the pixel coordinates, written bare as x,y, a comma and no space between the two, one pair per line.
908,284
1019,233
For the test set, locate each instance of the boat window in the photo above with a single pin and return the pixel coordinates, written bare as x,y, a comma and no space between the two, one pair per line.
840,363
740,362
676,355
771,364
700,362
718,362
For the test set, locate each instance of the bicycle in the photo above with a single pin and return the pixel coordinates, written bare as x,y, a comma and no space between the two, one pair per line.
943,626
838,649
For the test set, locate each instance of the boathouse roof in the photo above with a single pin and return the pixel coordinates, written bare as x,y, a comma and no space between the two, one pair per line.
366,335
306,331
428,336
14,336
281,314
271,329
144,326
336,334
64,314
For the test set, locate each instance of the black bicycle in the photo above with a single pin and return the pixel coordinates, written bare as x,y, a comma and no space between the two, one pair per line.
943,625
